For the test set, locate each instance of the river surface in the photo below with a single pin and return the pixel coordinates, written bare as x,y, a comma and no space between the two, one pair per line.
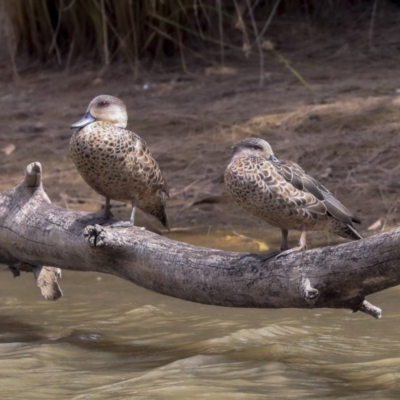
109,339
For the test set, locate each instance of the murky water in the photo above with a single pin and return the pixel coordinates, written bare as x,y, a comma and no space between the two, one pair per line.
109,339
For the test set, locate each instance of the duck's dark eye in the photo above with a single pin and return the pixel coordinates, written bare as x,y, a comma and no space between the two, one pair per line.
103,103
257,147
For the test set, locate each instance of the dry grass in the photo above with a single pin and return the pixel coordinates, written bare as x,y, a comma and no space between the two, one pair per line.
104,32
107,31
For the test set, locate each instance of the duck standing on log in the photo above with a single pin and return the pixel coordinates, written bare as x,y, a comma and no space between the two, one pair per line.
116,162
282,194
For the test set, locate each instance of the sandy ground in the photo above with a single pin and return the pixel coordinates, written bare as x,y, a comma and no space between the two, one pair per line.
346,134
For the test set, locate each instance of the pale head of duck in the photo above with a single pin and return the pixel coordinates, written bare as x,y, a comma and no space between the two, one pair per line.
104,108
253,147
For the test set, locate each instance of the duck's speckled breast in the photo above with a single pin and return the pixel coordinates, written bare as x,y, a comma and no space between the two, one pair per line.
115,162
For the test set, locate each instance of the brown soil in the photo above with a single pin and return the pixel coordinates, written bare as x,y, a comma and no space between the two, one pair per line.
347,137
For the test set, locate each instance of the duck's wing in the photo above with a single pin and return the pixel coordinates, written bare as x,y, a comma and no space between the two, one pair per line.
148,165
294,174
338,210
279,179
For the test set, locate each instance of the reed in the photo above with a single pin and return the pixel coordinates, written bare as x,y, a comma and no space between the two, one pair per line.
109,31
105,32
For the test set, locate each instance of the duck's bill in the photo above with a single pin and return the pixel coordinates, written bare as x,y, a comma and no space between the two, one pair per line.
273,159
85,120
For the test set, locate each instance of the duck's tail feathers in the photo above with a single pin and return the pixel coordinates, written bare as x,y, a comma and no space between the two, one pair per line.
163,217
349,232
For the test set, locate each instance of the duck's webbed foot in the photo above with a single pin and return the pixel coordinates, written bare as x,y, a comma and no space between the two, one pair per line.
131,222
121,224
301,247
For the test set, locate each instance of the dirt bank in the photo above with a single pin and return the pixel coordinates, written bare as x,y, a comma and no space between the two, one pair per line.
347,136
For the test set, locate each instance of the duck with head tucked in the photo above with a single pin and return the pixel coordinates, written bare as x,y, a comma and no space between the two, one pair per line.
116,162
282,194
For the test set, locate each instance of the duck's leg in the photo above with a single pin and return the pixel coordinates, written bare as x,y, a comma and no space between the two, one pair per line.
302,245
302,242
131,222
284,240
134,204
107,208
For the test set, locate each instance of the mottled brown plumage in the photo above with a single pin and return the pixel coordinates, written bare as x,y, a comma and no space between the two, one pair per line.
282,194
116,162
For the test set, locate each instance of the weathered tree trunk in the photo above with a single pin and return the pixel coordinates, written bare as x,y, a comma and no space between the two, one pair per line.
34,232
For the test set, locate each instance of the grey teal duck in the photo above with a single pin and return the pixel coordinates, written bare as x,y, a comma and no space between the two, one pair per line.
116,162
282,194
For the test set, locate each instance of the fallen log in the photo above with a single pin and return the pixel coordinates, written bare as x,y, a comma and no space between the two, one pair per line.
35,233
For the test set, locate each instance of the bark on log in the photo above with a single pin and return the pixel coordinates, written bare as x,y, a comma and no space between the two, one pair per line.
34,232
